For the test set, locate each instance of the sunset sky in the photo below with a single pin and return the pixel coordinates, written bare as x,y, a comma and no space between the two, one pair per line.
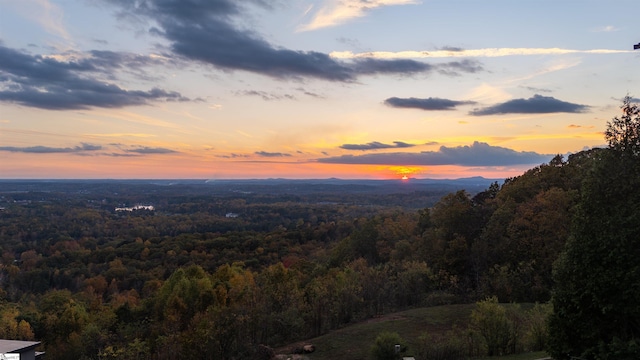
369,89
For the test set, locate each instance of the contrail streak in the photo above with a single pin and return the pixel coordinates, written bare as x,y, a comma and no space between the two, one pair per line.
489,52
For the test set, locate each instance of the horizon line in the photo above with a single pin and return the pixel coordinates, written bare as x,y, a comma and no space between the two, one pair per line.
241,179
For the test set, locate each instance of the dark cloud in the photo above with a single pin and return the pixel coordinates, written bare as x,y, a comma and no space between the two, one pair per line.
400,144
205,31
52,150
451,48
375,66
454,68
151,150
208,31
271,154
88,147
538,104
47,83
220,44
619,100
478,154
376,146
425,104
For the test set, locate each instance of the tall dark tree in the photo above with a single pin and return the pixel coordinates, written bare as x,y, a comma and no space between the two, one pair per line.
623,132
597,294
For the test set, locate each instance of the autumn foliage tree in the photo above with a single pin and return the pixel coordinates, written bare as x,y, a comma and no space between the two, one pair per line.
188,282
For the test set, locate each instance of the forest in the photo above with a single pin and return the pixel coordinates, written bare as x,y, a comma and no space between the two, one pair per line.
223,275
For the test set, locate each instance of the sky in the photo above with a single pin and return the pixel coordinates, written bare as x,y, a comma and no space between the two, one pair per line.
304,89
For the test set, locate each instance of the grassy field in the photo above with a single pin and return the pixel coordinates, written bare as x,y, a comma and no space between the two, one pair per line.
527,356
354,341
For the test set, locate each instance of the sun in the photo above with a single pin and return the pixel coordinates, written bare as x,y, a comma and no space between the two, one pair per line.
404,172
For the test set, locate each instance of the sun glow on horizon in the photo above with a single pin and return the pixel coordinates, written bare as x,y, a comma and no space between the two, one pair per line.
405,172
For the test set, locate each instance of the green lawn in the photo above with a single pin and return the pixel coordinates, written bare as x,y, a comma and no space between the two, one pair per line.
527,356
354,341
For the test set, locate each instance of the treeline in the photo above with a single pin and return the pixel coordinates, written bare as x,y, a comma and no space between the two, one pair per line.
187,282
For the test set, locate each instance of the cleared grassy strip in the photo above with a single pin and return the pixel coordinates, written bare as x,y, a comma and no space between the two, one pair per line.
355,341
527,356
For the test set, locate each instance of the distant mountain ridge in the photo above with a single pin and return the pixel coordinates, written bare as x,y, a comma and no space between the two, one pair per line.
471,184
433,188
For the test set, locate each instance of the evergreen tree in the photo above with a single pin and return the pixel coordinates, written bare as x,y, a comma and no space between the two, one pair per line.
597,294
623,132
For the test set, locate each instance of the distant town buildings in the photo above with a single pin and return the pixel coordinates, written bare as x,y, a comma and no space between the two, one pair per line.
137,207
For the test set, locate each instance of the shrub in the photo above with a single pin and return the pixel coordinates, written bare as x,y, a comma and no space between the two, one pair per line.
537,332
490,320
384,347
451,346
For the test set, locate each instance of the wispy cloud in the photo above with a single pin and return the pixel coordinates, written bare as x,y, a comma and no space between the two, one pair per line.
375,145
336,12
119,135
51,150
536,89
271,154
558,64
489,52
266,96
44,13
151,150
607,28
233,156
574,126
121,150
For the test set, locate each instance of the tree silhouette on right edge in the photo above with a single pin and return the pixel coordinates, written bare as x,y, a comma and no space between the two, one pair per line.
596,298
